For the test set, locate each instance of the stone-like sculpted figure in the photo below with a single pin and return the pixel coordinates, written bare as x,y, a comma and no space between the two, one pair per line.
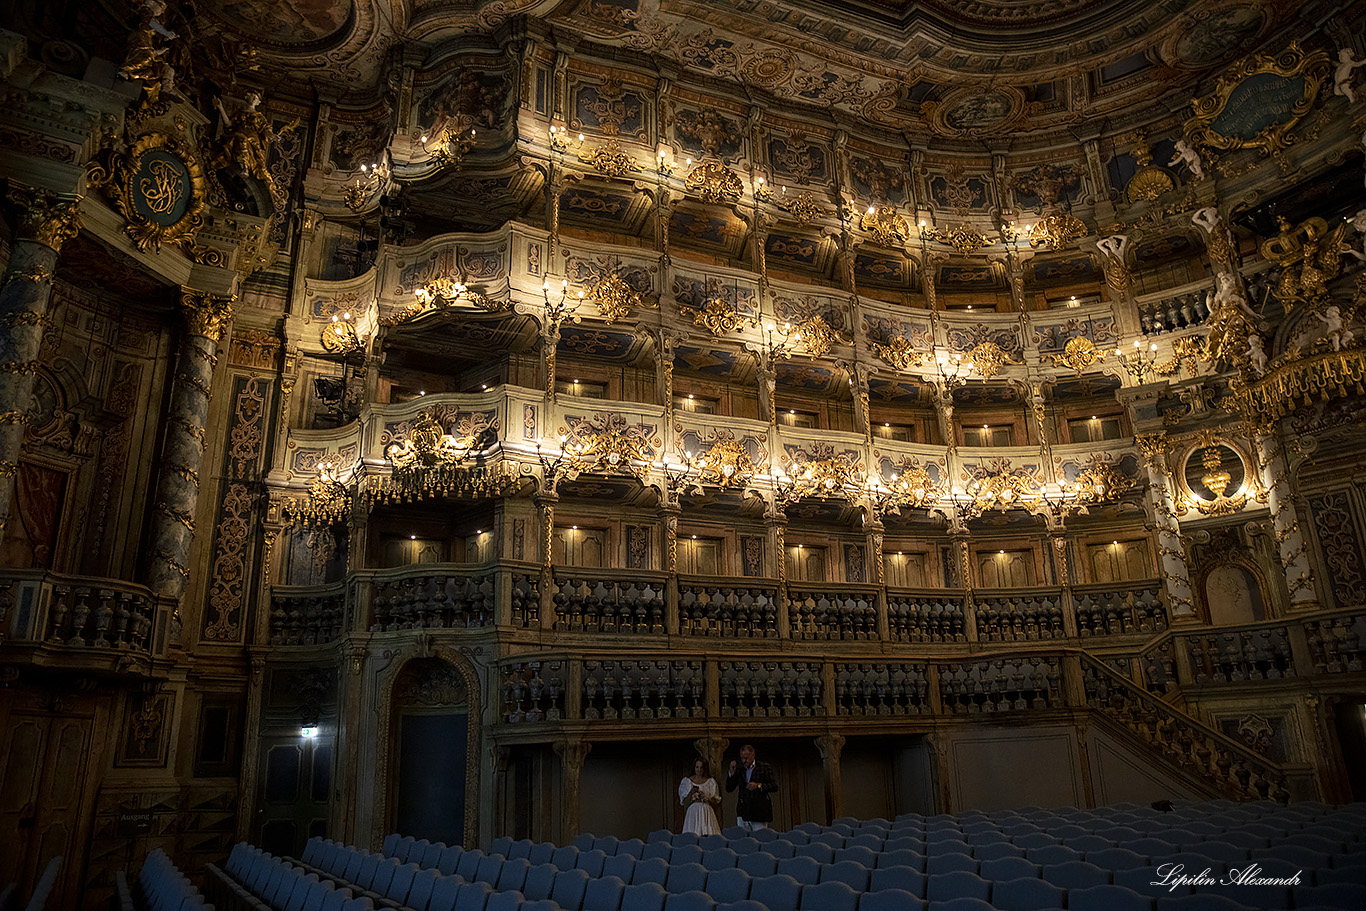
1187,156
1342,76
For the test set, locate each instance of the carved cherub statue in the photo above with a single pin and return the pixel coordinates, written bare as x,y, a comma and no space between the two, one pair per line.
1187,156
145,61
1256,353
1342,76
1334,329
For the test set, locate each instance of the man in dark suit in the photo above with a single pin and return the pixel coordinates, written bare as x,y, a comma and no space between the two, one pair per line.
753,807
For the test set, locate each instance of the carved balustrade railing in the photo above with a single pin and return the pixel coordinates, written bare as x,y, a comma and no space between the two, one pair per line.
1190,744
1175,311
1233,656
727,608
600,604
847,611
311,615
83,612
533,691
439,600
1337,645
882,689
1115,609
525,598
629,689
926,616
1019,616
1013,684
771,689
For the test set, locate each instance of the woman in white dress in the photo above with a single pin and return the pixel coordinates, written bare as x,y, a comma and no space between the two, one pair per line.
698,792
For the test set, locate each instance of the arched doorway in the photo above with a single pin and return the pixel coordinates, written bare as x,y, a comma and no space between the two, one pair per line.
431,792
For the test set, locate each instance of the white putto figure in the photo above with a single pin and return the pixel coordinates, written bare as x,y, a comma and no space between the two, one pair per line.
1256,353
1338,334
1342,76
1187,156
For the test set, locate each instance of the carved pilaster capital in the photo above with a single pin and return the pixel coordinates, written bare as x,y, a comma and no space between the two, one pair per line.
43,216
830,746
205,314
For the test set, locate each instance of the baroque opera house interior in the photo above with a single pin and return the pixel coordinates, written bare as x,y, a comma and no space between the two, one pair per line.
427,427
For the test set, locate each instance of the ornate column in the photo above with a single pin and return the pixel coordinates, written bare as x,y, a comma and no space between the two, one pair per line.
1290,543
1171,552
830,747
713,749
572,754
206,316
777,528
42,222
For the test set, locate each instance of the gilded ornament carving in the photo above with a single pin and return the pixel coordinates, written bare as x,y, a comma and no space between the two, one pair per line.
1056,230
901,353
719,316
44,217
887,227
714,182
1240,113
1079,353
607,444
1309,255
609,159
159,186
206,314
725,462
987,359
966,239
613,297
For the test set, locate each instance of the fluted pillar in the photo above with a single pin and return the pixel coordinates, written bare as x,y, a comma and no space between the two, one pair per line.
1290,543
42,222
1171,554
206,316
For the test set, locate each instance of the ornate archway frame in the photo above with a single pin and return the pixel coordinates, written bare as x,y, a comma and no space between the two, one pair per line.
385,679
1233,558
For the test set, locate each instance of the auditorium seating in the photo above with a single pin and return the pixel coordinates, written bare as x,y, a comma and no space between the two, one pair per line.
160,887
1022,860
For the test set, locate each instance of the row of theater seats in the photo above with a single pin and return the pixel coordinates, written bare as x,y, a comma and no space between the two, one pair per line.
253,880
160,887
9,895
1017,861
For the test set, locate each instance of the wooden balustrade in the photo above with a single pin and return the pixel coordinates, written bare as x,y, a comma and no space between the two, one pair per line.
81,612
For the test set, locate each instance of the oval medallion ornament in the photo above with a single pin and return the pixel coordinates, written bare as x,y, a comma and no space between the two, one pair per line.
162,188
158,185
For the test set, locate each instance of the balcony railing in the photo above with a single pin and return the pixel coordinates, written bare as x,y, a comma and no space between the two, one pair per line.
86,614
573,600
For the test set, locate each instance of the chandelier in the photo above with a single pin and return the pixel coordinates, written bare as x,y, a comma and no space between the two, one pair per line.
824,478
328,501
432,462
1001,491
912,488
726,463
813,333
